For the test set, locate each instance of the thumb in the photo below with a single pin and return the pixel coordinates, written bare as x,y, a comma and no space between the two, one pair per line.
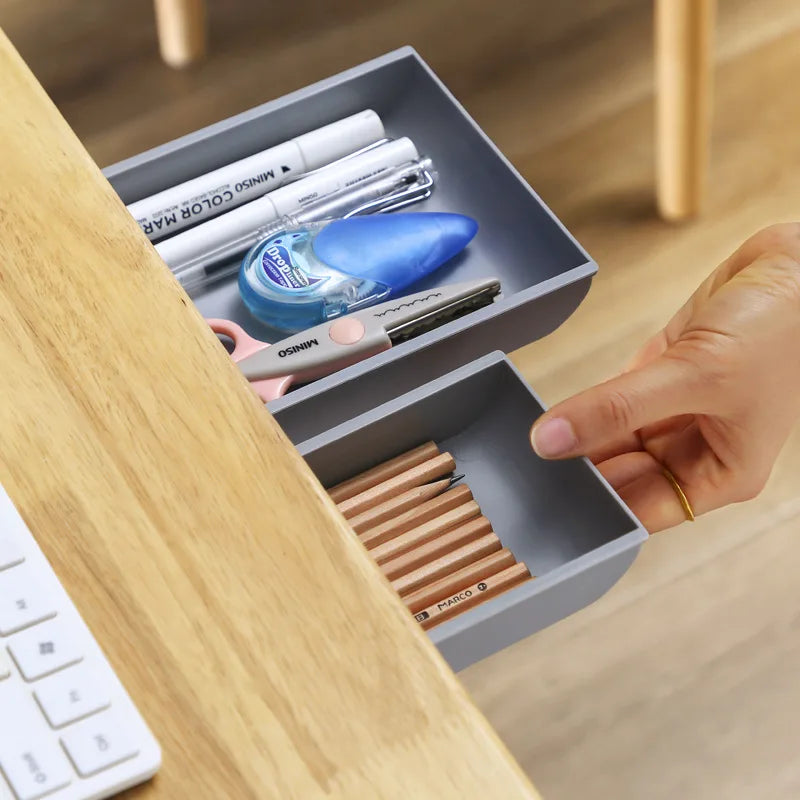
589,421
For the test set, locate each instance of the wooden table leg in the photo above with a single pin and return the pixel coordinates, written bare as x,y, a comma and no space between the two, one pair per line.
181,30
683,56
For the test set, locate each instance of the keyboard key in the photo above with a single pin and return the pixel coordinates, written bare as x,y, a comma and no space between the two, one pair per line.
44,649
22,602
10,552
5,664
70,695
98,743
34,765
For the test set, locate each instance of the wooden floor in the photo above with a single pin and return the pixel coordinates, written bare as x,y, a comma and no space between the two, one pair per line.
683,680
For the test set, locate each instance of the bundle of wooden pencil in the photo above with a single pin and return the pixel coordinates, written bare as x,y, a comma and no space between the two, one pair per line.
427,534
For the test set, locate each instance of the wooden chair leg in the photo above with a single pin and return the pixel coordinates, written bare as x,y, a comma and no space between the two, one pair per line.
684,57
181,30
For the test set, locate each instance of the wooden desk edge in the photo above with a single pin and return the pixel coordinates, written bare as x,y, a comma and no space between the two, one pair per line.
227,591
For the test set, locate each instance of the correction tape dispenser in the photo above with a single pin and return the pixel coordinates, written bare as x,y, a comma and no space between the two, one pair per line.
306,275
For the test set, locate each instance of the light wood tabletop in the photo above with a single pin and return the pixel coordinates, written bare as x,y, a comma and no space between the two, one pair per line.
264,648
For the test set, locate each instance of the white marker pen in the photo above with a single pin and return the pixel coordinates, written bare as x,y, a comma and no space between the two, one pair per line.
182,249
227,187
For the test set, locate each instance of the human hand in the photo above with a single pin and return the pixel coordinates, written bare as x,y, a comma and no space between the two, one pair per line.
711,398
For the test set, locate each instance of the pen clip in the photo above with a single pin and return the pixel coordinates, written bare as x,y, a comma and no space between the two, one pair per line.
411,193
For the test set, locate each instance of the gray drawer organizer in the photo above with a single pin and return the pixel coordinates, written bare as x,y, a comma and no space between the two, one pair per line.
561,518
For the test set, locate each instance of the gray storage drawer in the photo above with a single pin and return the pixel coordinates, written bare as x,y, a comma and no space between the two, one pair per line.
562,519
544,272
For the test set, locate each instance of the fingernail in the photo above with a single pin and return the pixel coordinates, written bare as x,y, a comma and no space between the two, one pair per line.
554,438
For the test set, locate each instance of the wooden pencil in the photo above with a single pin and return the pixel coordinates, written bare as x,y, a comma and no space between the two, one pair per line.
444,565
426,513
424,533
415,502
388,469
445,543
428,471
473,595
460,579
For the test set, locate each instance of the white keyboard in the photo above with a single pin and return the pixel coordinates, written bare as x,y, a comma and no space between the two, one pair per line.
68,730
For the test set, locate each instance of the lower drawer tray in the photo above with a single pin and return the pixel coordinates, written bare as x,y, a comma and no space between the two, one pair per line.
561,518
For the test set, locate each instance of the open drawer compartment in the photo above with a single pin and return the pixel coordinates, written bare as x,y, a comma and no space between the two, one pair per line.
560,518
543,271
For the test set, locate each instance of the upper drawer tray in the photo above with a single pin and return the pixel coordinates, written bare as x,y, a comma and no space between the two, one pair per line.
544,272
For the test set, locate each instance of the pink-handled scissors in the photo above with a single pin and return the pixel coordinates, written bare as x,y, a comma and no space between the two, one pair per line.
346,340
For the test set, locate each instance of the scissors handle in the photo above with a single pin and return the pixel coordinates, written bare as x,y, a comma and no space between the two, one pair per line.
245,346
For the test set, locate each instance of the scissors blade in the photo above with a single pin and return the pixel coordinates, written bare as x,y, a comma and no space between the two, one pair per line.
411,316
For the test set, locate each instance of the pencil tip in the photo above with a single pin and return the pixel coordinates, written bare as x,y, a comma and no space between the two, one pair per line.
456,478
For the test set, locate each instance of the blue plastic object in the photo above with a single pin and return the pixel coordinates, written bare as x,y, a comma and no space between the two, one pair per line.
303,276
